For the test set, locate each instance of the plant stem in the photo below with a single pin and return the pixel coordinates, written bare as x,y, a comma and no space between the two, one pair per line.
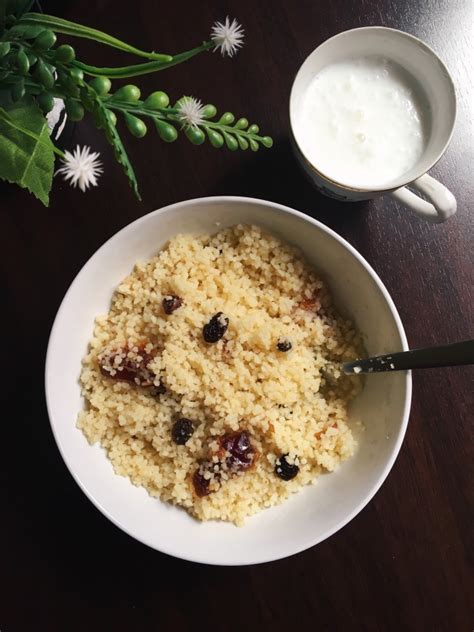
135,70
171,114
60,25
230,130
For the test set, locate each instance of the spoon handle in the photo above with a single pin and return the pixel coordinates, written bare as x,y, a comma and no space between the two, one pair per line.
446,355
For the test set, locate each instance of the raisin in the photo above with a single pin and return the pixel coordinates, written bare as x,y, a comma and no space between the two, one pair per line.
238,451
284,345
201,484
236,454
285,470
118,365
182,430
215,328
171,303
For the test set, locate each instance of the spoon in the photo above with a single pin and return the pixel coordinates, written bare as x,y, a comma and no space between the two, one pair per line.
446,355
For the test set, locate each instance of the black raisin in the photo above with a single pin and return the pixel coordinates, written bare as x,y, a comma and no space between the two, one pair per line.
215,328
284,345
182,430
285,470
171,303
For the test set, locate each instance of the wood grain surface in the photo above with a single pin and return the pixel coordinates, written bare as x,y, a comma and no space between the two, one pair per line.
404,562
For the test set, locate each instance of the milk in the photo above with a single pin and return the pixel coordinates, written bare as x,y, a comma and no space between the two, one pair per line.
362,122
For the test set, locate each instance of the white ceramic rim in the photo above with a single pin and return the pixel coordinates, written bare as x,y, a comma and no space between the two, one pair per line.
169,550
396,184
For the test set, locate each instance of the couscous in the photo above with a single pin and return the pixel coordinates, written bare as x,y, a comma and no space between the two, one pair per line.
207,381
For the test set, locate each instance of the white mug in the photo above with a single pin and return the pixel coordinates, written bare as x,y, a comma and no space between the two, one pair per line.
425,66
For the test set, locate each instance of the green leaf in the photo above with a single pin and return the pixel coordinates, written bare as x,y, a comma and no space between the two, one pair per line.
112,135
122,72
60,25
26,157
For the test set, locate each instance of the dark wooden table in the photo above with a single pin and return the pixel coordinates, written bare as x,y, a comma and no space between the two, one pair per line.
403,562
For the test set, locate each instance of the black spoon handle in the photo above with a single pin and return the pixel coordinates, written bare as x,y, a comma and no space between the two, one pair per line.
447,355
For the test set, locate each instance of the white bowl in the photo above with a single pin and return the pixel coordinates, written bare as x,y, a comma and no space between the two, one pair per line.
306,518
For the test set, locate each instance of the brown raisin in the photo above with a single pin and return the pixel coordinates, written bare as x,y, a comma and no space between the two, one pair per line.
171,303
201,484
215,328
119,365
238,451
236,454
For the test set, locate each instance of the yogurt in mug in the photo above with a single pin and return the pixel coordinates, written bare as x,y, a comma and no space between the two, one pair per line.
364,122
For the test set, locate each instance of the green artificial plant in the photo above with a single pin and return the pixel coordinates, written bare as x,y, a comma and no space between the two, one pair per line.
35,72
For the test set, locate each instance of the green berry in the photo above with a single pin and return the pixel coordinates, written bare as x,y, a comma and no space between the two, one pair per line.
43,74
127,93
22,62
254,146
227,118
65,54
135,125
231,142
166,131
195,135
253,129
4,49
157,100
243,142
242,123
101,85
215,138
74,110
209,111
45,40
45,101
267,142
77,75
18,90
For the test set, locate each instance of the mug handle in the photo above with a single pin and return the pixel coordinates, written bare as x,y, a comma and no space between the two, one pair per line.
443,202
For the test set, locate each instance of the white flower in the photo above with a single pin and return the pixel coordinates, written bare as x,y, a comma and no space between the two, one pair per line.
81,167
190,112
227,37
